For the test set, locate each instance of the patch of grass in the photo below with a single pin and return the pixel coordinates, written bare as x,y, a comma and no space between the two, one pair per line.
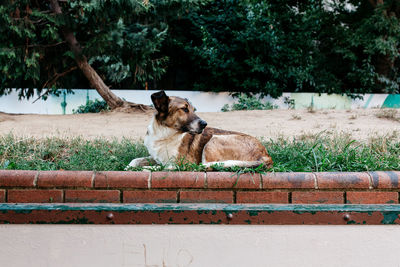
67,154
389,114
303,154
334,153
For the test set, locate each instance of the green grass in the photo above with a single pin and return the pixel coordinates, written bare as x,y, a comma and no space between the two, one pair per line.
307,153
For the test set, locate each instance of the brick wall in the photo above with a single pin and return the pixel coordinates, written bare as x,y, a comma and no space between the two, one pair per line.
199,187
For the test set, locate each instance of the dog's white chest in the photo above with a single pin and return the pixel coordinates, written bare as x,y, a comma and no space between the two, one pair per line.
163,143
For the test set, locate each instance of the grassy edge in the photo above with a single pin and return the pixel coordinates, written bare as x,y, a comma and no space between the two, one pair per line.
305,153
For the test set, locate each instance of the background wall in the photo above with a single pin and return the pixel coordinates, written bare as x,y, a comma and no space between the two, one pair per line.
203,101
198,245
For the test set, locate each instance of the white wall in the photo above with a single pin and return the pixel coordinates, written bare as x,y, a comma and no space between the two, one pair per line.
198,245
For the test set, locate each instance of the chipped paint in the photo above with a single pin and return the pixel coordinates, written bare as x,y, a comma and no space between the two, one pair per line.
199,214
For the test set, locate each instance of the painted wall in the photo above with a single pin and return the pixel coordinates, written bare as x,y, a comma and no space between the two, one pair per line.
198,245
203,101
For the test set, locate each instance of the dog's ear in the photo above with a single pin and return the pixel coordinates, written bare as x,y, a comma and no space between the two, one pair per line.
160,101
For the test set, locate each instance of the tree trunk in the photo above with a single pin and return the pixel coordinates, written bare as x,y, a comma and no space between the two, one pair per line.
113,101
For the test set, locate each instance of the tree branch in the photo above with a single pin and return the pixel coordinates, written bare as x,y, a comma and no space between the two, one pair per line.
373,3
53,80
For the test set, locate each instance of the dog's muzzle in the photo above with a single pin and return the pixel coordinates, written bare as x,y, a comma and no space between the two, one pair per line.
197,126
202,124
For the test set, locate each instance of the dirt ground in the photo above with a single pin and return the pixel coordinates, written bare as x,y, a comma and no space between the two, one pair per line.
361,124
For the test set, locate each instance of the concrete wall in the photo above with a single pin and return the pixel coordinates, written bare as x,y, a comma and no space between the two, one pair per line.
198,245
203,101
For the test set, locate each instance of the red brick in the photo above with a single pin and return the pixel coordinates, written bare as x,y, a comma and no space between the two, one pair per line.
92,196
317,197
233,180
117,179
2,196
65,179
150,196
206,197
385,180
372,197
289,180
342,180
35,196
17,178
262,197
177,180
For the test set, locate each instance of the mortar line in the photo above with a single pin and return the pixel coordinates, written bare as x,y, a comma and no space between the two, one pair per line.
369,180
35,180
315,181
93,179
149,180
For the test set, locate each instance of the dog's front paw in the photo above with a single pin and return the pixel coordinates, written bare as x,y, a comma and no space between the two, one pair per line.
140,162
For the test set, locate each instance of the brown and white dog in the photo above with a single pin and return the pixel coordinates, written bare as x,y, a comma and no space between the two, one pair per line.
177,133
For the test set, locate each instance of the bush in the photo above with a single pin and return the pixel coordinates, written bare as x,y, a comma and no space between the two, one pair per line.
91,106
248,103
270,47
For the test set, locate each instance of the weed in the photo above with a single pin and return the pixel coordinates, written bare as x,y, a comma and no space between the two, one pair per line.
353,117
389,114
289,102
310,109
296,117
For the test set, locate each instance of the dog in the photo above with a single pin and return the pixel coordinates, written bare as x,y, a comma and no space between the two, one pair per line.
176,133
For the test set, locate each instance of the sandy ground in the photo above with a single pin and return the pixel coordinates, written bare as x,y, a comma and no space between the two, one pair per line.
361,124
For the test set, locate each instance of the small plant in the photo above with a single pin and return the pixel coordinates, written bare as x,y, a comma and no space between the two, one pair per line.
389,113
249,103
289,101
353,117
310,109
91,106
296,117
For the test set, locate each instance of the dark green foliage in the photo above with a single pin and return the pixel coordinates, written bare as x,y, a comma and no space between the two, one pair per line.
307,153
91,106
348,47
296,46
121,40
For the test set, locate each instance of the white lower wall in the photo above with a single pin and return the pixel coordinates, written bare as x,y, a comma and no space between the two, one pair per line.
198,245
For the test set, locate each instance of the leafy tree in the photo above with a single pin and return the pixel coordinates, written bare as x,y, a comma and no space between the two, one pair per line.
46,45
347,47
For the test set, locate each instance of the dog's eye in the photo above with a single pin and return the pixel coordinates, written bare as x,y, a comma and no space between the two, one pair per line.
186,110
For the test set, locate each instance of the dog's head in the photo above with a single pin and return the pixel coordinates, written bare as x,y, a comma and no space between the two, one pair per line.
177,113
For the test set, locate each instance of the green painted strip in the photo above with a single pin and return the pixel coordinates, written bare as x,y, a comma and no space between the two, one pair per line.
202,207
368,101
391,101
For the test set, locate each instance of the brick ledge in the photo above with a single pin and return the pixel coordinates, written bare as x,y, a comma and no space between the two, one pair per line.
379,187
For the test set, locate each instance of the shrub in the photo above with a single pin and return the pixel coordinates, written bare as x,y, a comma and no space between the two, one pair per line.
91,106
249,103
